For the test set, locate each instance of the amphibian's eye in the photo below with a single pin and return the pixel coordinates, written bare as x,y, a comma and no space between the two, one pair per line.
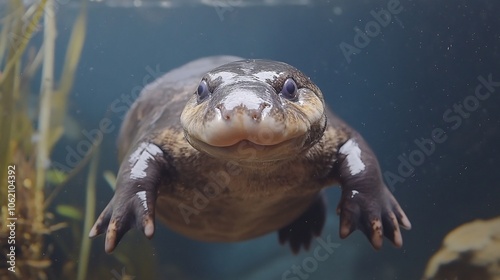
203,91
289,90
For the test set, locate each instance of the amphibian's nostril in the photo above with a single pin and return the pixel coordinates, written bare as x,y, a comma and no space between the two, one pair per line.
264,105
256,114
242,110
225,114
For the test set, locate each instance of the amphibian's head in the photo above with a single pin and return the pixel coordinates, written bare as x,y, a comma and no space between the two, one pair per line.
254,111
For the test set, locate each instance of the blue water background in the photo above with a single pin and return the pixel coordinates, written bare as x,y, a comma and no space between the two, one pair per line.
394,91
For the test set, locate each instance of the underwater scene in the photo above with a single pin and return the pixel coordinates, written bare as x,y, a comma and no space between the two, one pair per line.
234,167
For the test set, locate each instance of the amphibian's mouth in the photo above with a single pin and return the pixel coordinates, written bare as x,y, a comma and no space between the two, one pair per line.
264,133
248,151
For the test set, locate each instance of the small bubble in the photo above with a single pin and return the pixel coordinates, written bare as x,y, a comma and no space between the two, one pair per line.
337,11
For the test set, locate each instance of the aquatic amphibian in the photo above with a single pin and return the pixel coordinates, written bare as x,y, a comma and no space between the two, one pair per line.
225,149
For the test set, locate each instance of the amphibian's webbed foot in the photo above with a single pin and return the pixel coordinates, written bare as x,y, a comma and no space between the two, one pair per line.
133,204
375,215
366,203
309,225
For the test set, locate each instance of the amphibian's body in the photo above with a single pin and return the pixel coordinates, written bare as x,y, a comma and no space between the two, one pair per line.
224,149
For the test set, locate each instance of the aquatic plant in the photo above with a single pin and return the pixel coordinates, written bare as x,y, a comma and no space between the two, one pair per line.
25,149
51,239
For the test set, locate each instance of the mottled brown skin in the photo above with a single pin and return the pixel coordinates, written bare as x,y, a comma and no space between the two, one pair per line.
285,151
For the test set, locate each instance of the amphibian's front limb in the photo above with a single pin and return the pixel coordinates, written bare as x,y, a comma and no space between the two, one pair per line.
133,204
366,203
